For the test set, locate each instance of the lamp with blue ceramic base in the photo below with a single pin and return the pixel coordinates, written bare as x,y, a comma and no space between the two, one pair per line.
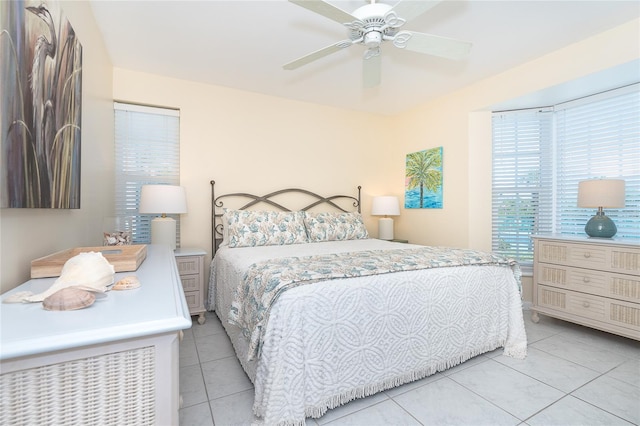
600,193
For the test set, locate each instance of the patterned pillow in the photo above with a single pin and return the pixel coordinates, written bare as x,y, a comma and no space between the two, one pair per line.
265,228
335,226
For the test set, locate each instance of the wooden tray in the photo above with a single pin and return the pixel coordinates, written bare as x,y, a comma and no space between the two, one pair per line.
123,258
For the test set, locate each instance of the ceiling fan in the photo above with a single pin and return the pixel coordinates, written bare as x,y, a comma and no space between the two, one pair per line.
375,23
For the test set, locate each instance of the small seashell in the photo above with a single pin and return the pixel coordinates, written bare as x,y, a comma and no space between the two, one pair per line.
127,283
67,299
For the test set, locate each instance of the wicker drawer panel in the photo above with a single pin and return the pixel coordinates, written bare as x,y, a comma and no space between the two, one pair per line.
552,252
625,287
190,282
188,265
627,261
619,286
194,299
625,314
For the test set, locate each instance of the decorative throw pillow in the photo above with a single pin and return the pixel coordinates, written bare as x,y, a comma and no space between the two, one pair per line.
330,226
225,228
264,228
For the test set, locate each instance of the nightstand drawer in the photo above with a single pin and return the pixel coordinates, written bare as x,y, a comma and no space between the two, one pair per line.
194,299
607,284
189,265
190,282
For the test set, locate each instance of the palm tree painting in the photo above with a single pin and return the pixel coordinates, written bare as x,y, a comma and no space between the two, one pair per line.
423,179
40,106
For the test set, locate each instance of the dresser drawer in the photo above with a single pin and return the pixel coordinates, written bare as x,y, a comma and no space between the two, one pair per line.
189,265
619,313
624,260
602,283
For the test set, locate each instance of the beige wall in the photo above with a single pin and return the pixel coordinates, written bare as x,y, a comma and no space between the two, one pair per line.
249,142
26,234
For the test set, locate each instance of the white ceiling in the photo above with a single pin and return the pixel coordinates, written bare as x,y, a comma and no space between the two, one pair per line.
243,45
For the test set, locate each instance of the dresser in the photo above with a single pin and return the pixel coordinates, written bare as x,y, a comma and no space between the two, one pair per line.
589,281
190,263
115,362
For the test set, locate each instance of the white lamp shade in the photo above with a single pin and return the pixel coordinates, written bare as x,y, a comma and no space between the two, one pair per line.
162,199
385,206
596,193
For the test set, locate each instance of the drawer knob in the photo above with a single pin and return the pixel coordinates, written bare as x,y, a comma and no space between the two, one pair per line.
587,255
586,279
586,304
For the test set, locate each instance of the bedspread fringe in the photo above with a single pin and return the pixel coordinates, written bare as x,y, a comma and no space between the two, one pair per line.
371,389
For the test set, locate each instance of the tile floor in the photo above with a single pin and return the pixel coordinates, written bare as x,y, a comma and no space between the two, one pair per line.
573,375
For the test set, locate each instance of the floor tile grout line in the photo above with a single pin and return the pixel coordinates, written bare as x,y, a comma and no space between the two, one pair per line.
550,385
407,411
482,397
546,407
592,404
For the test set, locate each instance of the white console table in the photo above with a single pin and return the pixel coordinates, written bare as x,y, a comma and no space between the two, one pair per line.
115,362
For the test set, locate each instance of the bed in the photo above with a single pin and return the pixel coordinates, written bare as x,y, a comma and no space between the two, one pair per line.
320,314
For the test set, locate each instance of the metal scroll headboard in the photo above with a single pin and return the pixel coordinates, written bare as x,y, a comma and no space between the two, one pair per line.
251,200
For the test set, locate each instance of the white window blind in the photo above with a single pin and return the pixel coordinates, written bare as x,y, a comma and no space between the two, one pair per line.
147,145
599,136
540,155
521,187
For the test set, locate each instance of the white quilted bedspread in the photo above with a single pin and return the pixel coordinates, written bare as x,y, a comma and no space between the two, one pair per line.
334,341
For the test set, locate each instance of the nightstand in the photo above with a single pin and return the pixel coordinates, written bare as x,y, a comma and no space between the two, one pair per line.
190,263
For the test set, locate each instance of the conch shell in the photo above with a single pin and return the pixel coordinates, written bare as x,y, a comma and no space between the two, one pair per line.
87,271
68,299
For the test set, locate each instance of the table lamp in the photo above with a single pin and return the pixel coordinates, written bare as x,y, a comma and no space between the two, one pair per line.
601,193
385,206
163,200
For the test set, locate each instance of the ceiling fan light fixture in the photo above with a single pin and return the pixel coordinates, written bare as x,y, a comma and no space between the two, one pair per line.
372,39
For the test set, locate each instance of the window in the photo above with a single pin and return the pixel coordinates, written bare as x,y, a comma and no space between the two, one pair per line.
540,155
147,144
519,192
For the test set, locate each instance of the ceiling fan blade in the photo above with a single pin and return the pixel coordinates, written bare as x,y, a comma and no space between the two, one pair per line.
326,9
410,9
371,70
317,54
429,44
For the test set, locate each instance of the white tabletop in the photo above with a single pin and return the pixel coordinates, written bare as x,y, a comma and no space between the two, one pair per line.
157,306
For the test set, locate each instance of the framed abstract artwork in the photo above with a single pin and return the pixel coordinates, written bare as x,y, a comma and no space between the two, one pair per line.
423,179
41,104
